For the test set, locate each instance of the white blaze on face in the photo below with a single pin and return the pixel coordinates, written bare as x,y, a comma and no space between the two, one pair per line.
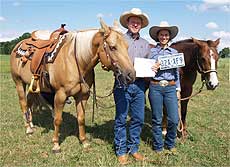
213,77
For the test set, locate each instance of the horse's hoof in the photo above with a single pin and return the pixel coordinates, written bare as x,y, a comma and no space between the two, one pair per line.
56,149
29,131
32,125
86,144
164,132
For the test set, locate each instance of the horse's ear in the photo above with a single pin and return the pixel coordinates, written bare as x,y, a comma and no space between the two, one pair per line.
116,24
217,42
104,28
213,43
196,41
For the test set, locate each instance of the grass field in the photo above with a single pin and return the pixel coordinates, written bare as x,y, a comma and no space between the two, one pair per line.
208,126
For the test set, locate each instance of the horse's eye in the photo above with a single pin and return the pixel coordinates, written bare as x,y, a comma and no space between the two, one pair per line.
112,48
202,59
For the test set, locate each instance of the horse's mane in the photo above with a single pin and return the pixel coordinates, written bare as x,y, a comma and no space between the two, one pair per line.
85,37
84,46
183,41
189,41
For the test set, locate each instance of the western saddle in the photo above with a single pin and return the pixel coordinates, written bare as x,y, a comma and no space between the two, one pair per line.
40,43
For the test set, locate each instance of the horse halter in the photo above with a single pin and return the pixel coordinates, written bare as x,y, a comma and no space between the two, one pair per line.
108,63
106,59
202,71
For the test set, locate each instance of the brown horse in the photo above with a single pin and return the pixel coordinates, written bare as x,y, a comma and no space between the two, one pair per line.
200,56
72,74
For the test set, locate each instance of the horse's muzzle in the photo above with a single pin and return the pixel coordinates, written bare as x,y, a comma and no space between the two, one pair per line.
124,78
210,86
130,77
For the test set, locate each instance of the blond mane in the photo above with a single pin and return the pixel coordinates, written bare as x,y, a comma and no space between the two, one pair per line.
84,44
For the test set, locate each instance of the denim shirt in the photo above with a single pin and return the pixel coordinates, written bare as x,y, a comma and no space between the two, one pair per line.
169,74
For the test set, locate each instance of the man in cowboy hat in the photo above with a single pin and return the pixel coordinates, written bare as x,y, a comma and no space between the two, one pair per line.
163,88
132,97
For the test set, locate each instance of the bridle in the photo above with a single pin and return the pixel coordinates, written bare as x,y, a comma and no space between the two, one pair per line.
108,63
202,71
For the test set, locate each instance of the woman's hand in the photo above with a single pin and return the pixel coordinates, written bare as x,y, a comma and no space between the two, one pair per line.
156,66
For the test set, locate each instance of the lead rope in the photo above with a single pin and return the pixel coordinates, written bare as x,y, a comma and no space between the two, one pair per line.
82,80
189,97
180,127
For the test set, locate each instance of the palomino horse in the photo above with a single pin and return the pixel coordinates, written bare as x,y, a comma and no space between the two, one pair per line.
201,56
72,74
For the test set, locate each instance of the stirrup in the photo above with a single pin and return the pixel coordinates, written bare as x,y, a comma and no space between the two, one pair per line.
31,86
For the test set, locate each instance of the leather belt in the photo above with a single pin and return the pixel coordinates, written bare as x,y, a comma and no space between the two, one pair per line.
163,82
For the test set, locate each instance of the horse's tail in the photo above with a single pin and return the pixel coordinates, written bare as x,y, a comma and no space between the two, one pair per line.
38,102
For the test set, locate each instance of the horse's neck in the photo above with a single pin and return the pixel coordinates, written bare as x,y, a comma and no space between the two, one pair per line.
85,56
190,51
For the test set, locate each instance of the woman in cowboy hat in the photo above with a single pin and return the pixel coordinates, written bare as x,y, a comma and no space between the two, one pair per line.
131,97
163,89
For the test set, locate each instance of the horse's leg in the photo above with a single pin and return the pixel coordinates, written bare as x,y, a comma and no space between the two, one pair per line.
184,104
59,101
27,115
164,121
80,108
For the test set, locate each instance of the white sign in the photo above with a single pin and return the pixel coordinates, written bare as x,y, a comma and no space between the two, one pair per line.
143,67
171,61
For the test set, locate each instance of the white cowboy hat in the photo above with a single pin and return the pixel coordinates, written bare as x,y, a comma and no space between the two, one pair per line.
134,12
163,26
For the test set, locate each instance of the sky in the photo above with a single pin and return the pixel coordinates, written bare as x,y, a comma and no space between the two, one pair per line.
201,19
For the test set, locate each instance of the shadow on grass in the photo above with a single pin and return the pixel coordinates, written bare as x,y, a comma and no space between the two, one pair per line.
146,134
104,131
69,126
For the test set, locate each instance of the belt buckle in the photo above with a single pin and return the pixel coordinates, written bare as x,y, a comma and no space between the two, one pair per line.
163,83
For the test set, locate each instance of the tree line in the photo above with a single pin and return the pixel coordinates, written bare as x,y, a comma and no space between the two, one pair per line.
7,47
225,53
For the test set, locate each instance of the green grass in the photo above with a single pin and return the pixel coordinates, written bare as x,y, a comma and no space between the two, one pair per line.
207,118
4,64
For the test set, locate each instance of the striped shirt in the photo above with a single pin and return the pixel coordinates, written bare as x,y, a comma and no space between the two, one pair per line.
138,47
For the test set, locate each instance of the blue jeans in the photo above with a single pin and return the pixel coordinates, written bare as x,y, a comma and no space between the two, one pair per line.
130,98
159,95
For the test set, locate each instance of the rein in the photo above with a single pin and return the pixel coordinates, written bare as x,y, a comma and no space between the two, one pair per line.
82,80
181,126
189,97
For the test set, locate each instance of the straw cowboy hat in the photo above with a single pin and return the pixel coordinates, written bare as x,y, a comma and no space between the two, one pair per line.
163,26
134,12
